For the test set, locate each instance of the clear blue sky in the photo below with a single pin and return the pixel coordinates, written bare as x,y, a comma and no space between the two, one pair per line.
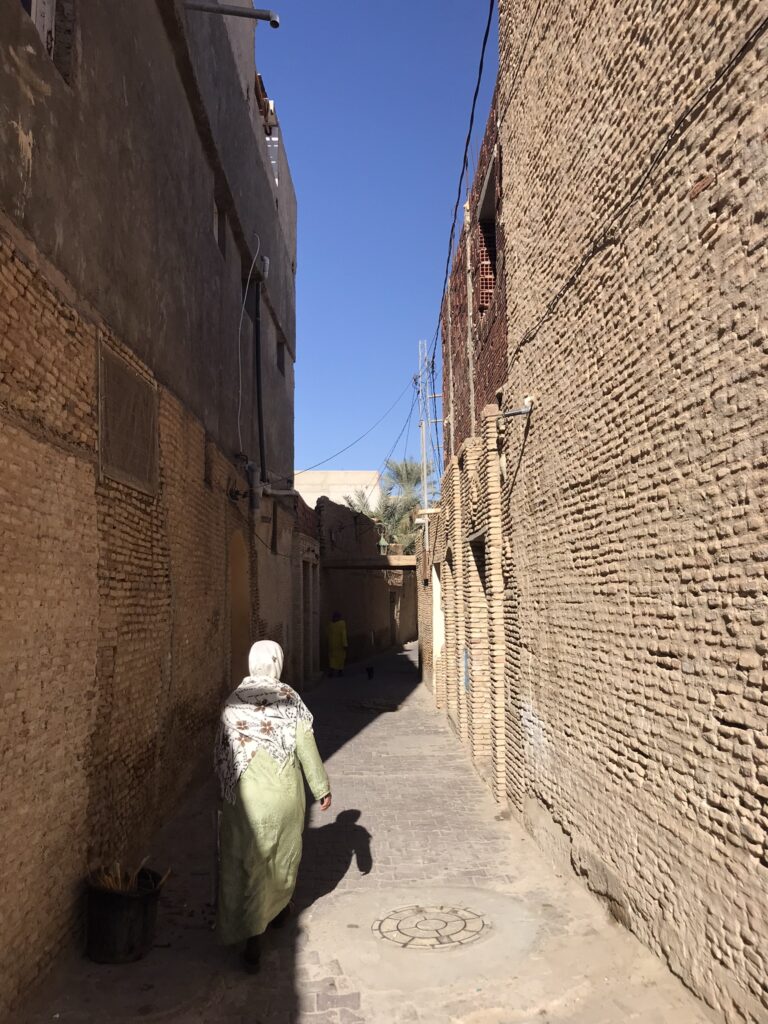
374,105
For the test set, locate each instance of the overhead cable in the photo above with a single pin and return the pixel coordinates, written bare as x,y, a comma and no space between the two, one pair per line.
464,163
406,426
360,438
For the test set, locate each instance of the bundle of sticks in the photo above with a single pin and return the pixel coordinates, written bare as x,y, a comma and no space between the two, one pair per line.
114,878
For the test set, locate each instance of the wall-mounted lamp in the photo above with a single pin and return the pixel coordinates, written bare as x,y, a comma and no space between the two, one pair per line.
383,542
235,12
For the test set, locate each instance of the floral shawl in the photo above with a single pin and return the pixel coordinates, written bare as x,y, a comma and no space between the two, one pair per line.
261,714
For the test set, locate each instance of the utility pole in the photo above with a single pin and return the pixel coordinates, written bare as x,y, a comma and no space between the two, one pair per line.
424,427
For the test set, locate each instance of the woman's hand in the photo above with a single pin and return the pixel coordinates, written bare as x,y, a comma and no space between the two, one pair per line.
325,803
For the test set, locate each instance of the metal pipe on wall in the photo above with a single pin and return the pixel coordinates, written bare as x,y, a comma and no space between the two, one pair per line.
236,12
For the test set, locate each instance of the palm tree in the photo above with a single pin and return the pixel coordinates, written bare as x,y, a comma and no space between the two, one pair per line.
398,503
403,477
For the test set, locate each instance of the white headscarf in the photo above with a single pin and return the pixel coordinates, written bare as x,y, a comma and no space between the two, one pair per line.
261,714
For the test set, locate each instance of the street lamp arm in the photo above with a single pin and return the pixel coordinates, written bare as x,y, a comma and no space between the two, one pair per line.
235,12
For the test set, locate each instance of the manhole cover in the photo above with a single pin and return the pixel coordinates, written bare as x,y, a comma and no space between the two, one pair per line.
430,927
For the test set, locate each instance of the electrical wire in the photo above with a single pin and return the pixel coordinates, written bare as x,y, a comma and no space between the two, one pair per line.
406,426
435,442
240,346
464,162
407,437
360,438
452,236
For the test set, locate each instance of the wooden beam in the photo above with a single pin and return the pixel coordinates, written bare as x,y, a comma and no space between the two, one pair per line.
369,562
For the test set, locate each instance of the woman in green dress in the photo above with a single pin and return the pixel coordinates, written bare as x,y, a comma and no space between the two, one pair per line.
265,739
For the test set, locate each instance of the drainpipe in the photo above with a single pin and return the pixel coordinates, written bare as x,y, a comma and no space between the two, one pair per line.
259,386
470,346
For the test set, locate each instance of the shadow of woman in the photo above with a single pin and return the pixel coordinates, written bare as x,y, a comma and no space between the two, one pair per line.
328,855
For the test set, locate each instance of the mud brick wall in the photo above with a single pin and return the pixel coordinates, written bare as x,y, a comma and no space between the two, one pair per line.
424,613
473,555
115,616
455,357
466,552
469,393
636,531
361,595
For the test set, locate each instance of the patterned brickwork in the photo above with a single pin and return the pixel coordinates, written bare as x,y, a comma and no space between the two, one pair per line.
474,556
486,314
114,616
455,357
628,699
48,607
637,522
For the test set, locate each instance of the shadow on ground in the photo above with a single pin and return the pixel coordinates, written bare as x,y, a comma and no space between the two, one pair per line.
189,978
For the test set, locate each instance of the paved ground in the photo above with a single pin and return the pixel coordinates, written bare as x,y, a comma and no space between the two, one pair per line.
417,903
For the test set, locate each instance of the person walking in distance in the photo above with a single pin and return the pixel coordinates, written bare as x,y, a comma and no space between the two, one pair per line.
265,739
337,645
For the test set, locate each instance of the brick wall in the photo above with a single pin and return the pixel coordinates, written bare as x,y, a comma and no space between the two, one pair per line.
637,524
628,628
480,253
115,616
363,596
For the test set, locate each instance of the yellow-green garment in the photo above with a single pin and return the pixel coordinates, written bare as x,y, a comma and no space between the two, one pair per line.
337,644
261,838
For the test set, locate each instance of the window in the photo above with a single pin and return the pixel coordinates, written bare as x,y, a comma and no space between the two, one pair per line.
55,23
220,228
485,260
281,357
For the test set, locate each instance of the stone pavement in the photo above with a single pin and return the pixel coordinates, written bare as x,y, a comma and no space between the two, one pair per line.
418,901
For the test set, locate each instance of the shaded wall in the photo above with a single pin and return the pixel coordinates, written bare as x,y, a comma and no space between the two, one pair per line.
122,624
136,205
378,606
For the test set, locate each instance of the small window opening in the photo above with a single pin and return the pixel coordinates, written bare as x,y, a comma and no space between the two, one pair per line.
55,23
281,357
485,282
220,228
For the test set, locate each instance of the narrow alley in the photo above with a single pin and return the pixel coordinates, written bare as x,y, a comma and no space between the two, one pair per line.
407,372
417,902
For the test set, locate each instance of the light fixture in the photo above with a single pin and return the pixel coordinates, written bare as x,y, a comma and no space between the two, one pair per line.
383,542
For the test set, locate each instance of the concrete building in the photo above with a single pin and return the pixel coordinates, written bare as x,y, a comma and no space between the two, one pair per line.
593,600
337,484
146,442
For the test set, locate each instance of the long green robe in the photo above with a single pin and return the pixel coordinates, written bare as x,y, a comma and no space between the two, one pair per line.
261,837
337,644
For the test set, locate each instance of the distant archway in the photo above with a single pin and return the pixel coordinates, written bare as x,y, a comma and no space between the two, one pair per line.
239,607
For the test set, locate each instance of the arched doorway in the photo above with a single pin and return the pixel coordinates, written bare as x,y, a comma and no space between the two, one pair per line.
239,607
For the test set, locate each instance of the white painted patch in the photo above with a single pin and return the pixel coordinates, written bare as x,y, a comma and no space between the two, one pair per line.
26,144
